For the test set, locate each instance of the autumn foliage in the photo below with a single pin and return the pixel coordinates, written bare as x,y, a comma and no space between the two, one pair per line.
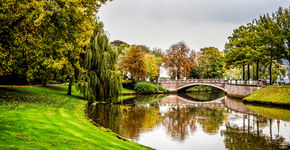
177,60
133,63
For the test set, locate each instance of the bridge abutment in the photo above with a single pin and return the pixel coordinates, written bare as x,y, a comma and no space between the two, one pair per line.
240,91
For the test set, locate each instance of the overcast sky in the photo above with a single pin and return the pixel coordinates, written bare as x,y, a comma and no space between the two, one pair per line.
199,23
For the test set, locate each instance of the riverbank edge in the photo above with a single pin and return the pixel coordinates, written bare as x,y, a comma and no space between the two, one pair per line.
83,106
117,135
261,96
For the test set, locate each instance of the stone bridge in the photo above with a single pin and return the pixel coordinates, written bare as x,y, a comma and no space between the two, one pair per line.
235,88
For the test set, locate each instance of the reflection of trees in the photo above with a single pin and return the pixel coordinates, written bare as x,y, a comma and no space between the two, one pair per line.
215,117
180,121
125,120
202,96
237,138
138,119
145,99
106,115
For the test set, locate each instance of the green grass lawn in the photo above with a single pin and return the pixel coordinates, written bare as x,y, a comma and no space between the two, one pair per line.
46,118
272,94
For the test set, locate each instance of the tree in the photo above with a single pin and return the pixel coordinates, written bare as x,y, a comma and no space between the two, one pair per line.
236,49
282,18
211,63
265,41
101,80
20,51
40,38
176,60
193,59
269,33
157,52
123,50
152,68
134,63
117,43
73,24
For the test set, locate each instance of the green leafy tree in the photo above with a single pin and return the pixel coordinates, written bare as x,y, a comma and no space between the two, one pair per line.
236,49
264,41
282,18
211,63
40,38
101,81
20,51
269,33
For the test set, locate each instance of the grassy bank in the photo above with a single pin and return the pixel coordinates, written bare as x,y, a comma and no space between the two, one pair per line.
46,118
272,94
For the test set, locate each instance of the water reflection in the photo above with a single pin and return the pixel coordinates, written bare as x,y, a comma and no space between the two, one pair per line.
180,121
202,96
223,123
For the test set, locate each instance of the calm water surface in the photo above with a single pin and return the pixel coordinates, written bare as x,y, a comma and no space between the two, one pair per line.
196,121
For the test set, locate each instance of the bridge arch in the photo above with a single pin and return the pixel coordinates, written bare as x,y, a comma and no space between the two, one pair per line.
196,84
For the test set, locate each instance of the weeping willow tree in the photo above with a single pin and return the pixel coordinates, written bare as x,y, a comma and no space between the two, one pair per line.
100,79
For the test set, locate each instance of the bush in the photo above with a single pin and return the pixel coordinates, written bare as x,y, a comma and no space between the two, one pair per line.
147,87
128,83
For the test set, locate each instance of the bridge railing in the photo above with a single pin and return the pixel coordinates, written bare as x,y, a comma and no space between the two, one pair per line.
246,82
214,81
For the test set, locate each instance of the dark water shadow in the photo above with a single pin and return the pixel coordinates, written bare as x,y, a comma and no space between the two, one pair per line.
268,104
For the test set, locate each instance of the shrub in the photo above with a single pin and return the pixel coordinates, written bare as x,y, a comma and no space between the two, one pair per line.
128,83
147,87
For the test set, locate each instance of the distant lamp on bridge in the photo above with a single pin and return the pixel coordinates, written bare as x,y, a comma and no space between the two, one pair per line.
225,75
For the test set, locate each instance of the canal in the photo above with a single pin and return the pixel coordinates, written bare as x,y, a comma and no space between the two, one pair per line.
198,120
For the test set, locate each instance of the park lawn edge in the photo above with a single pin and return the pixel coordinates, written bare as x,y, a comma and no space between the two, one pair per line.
75,130
278,95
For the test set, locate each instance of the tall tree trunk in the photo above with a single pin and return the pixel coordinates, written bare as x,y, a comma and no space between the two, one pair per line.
270,70
248,71
43,82
243,72
69,87
253,72
257,71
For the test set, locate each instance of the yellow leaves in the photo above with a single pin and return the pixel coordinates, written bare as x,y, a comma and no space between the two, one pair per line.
38,21
151,66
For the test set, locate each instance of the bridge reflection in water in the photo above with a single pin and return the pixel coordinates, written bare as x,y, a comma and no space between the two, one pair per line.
222,123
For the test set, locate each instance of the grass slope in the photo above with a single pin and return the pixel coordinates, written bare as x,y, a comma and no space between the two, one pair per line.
272,94
46,118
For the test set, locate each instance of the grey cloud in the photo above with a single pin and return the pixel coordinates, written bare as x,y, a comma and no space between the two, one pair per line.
164,22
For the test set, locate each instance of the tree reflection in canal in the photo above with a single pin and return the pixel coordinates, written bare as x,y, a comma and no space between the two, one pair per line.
237,138
127,120
181,123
